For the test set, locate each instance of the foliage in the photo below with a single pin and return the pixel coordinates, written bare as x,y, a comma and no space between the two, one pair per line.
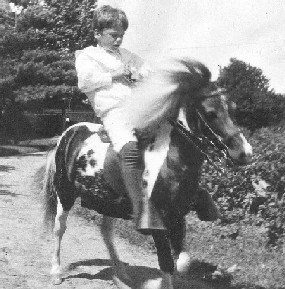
257,105
7,22
35,17
254,194
40,74
37,53
68,24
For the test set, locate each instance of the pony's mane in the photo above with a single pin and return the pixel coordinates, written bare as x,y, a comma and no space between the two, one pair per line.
173,81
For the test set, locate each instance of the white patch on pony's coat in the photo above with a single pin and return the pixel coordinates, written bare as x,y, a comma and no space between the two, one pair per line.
99,149
182,117
246,147
94,142
155,156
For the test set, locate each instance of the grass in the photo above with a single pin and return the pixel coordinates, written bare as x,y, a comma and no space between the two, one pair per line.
257,266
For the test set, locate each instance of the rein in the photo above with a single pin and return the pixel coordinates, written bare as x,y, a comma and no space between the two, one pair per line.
202,143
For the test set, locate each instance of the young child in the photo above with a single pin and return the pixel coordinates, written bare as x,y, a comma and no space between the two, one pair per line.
107,74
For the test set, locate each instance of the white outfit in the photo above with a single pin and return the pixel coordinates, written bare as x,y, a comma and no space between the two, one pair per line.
94,66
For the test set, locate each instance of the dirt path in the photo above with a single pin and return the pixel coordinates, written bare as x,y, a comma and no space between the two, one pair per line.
25,251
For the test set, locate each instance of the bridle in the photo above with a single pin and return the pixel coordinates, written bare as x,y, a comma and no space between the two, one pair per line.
204,143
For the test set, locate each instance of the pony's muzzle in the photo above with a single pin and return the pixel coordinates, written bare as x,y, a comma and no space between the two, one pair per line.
240,150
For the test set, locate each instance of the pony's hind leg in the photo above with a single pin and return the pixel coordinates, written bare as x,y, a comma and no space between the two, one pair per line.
108,237
59,229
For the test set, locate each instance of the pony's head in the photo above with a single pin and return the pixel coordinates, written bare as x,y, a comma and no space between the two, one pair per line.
211,116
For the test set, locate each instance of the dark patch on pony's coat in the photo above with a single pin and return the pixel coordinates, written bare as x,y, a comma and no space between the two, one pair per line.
92,163
97,195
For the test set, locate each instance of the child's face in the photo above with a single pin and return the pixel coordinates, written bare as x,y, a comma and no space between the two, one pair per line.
110,38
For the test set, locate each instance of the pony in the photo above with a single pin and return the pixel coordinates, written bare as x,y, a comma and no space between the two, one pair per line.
84,164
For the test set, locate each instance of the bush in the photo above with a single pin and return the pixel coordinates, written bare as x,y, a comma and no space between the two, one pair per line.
254,194
258,106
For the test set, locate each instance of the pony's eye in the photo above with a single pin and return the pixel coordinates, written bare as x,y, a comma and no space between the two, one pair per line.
211,116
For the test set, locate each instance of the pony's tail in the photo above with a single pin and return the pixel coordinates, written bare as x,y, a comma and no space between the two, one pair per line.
49,191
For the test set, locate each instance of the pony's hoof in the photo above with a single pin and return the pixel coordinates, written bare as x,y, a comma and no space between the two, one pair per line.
183,264
56,279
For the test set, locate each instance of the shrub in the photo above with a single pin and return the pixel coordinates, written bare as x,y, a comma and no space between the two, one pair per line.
254,194
258,106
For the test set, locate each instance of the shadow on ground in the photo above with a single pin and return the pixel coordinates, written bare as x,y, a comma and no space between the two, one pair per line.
138,274
141,274
6,168
4,189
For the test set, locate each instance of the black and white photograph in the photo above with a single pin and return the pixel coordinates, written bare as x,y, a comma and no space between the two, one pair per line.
142,144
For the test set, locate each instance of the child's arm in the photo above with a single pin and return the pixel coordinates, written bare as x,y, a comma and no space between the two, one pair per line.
92,75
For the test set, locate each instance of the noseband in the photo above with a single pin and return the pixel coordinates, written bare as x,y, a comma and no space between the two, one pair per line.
204,143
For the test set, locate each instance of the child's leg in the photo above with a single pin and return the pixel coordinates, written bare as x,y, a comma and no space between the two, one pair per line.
145,214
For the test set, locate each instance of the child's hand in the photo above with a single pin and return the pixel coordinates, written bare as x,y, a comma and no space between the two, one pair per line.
118,73
123,71
128,71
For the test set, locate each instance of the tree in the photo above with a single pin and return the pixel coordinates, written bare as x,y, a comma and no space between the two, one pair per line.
39,52
257,104
37,55
65,24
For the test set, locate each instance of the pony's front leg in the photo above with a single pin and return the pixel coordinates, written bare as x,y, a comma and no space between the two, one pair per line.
165,261
177,232
59,229
108,237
